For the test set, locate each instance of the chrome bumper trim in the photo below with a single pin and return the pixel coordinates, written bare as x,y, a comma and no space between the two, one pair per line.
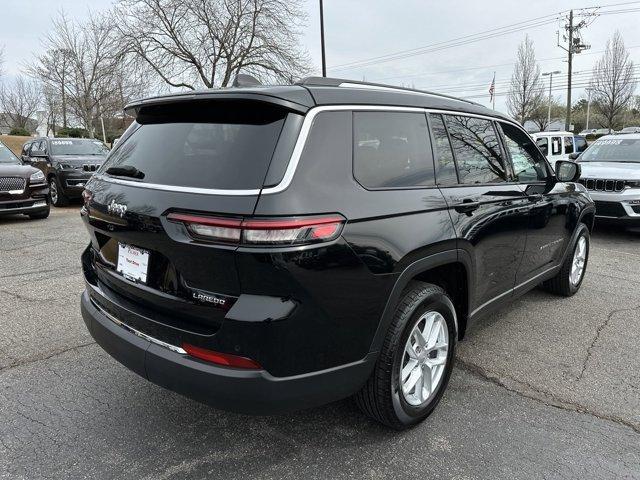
138,333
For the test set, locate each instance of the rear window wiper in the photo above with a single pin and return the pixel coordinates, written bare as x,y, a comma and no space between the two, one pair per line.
126,171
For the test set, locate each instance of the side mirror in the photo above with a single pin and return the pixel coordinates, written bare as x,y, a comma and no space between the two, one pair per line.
567,171
574,155
38,153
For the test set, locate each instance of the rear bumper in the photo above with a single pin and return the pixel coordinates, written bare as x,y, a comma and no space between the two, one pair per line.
243,391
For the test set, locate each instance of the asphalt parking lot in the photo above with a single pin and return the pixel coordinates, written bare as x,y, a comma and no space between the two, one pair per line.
547,388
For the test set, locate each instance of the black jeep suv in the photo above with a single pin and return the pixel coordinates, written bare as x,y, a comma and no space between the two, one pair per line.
271,248
67,163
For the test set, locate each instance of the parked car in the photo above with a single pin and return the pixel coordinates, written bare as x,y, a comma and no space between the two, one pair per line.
591,131
559,145
66,162
265,249
611,173
23,189
630,130
603,131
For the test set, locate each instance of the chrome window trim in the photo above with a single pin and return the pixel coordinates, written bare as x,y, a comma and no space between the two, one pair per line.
297,150
176,188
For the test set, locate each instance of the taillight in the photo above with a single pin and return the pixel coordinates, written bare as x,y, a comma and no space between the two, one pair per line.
287,231
224,359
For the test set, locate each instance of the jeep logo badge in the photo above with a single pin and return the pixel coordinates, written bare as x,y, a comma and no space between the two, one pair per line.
118,209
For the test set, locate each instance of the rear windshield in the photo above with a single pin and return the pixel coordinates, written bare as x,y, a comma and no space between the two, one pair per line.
205,145
7,156
78,146
613,150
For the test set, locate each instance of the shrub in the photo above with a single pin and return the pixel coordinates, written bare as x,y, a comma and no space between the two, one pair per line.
72,133
19,131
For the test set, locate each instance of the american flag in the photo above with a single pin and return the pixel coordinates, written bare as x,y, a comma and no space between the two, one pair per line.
492,88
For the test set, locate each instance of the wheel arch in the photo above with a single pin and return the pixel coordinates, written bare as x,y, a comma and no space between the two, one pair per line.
588,217
450,269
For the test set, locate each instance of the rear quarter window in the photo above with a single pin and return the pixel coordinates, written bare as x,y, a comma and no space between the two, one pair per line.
392,150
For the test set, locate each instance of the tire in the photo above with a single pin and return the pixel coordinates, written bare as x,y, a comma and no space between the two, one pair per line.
383,397
564,283
58,198
40,215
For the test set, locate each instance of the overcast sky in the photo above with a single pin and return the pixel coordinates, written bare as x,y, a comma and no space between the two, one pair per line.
357,30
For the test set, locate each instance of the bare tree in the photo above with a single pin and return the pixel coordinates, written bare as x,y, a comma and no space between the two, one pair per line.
1,61
613,82
19,101
83,63
205,43
526,91
540,116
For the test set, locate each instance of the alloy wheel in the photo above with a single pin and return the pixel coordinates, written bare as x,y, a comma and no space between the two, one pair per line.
579,260
53,191
424,359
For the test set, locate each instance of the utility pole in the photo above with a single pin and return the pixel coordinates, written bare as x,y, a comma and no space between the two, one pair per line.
567,123
574,46
324,61
550,74
588,107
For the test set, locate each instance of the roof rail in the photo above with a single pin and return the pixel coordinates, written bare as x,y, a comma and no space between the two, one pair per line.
341,82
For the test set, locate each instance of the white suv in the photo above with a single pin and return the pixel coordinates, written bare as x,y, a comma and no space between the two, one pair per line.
559,145
611,173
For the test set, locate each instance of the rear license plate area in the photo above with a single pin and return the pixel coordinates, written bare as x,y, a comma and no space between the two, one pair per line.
133,263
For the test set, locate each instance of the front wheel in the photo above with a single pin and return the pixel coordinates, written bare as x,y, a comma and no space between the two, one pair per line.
568,280
58,198
416,360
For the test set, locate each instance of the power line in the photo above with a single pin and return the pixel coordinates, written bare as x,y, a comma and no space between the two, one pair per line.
460,41
504,81
636,78
472,38
484,67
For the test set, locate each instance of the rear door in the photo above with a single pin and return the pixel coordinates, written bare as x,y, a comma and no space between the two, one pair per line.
202,158
551,211
489,211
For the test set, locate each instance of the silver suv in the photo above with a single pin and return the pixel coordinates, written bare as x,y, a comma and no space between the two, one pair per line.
611,173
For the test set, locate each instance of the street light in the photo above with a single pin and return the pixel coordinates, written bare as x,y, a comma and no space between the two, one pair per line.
551,74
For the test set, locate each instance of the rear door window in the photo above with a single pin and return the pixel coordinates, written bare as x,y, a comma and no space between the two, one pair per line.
556,146
443,154
211,145
568,145
477,150
543,145
392,150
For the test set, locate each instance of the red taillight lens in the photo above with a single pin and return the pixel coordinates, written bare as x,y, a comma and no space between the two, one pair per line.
217,229
225,359
289,231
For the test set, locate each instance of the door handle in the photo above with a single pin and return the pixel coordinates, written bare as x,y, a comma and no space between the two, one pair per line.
536,197
467,206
